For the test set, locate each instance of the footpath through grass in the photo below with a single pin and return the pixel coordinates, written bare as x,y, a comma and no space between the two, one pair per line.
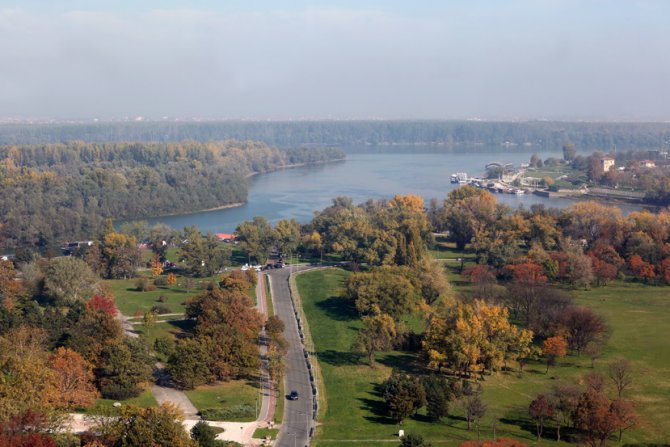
355,413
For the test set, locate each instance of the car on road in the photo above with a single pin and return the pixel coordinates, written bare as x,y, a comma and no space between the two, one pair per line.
293,395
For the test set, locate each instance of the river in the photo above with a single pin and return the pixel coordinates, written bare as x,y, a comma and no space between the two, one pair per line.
298,192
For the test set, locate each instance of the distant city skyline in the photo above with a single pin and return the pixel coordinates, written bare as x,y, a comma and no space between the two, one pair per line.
564,60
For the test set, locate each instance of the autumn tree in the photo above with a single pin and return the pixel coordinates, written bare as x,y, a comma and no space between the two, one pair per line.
554,348
188,364
103,304
599,417
156,265
10,288
26,429
473,337
582,326
377,334
94,330
171,279
468,210
403,394
569,151
73,379
540,410
641,268
526,288
120,255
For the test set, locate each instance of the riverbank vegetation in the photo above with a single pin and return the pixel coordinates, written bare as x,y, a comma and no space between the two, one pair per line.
58,192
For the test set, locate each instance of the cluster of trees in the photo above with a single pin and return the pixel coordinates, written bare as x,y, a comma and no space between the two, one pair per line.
62,345
583,245
543,134
58,192
224,341
587,406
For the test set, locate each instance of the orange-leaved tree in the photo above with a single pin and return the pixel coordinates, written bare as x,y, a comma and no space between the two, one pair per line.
553,348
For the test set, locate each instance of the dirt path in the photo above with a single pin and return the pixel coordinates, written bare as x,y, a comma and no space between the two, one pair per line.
165,391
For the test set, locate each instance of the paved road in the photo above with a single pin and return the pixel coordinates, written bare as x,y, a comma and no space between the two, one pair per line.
297,422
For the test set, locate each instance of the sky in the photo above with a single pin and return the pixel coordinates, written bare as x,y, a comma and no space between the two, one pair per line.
601,60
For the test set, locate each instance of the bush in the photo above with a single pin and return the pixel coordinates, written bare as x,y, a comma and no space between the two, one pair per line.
164,345
162,299
160,281
226,414
142,284
160,309
118,391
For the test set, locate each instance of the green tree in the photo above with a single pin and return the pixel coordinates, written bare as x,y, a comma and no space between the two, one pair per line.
205,436
69,279
404,395
467,211
188,363
203,255
438,392
377,334
257,237
120,255
124,366
385,289
286,235
569,152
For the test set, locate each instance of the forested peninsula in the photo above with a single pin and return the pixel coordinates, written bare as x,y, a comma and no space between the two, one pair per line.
57,192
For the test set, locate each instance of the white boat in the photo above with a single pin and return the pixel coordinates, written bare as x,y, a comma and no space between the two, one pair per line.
459,177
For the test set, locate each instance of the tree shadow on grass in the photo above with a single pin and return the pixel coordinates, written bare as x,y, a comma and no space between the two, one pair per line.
185,327
404,362
338,308
340,358
376,408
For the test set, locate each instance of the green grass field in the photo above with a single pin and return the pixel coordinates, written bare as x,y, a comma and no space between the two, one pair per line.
227,395
354,413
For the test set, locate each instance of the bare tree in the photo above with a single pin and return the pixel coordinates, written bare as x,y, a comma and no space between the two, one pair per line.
620,371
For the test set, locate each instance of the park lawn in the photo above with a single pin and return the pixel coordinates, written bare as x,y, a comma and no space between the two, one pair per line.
132,302
354,410
144,400
227,395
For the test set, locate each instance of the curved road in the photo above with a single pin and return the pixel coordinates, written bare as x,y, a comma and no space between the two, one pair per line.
298,414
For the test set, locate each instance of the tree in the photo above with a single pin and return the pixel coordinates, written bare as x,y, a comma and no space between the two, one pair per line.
385,289
641,268
413,440
155,426
438,392
73,379
26,429
582,326
553,348
475,409
257,237
10,288
120,255
286,235
468,210
620,371
69,279
103,304
564,399
527,287
377,334
156,265
188,364
92,332
202,255
569,152
433,281
599,417
403,395
205,436
171,279
124,366
540,409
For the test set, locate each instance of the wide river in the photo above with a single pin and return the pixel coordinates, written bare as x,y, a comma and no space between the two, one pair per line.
296,193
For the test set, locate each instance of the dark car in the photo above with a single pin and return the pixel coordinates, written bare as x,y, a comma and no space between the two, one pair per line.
293,395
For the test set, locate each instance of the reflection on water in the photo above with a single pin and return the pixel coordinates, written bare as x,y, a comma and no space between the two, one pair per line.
297,193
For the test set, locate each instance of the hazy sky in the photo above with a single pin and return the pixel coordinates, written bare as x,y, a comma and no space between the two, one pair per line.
511,59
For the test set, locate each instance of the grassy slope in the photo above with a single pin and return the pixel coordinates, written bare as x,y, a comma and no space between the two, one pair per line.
637,315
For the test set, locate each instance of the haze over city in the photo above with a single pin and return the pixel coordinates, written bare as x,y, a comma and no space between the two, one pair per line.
285,60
